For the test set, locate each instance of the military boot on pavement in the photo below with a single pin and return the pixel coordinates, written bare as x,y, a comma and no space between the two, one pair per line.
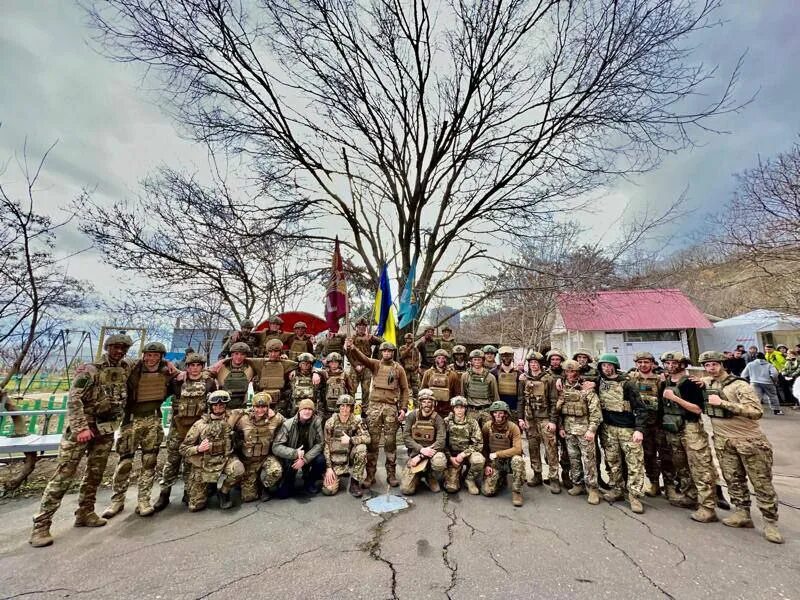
391,477
86,518
225,501
433,485
355,488
740,518
705,515
652,490
636,505
771,532
472,487
613,495
516,498
40,536
163,500
677,499
576,490
722,502
537,479
594,496
116,507
144,508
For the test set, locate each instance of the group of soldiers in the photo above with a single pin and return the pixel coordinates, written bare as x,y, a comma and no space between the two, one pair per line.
466,427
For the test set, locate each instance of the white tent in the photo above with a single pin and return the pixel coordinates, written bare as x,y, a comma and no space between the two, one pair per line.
751,329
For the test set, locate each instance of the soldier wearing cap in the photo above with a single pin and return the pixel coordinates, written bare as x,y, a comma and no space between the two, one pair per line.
538,417
479,387
489,357
508,382
388,403
360,374
584,358
409,357
463,449
299,446
335,383
460,364
305,383
208,447
96,401
189,395
254,340
254,431
299,342
447,341
743,451
424,436
235,374
442,381
148,387
681,403
502,451
345,451
427,346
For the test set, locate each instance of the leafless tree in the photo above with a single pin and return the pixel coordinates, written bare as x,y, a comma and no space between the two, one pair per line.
429,128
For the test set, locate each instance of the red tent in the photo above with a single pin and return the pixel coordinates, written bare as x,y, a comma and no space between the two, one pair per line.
315,324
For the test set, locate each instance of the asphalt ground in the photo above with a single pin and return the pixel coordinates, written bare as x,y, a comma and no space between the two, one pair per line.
443,546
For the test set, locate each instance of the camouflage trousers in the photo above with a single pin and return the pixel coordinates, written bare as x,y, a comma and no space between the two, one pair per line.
266,469
501,469
364,379
356,467
582,460
143,433
452,475
743,459
382,420
409,481
691,456
619,447
70,452
539,436
232,470
413,381
657,455
174,462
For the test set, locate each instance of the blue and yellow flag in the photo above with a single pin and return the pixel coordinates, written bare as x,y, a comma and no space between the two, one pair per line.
384,311
408,308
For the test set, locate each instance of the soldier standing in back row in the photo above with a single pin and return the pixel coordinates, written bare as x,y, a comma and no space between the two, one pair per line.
427,347
360,374
460,364
507,377
443,381
305,383
275,332
234,374
273,375
254,340
409,357
298,342
479,388
96,402
489,357
447,341
335,384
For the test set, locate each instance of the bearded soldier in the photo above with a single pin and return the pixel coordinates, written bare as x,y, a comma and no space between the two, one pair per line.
538,416
447,342
479,387
96,401
507,376
346,439
489,357
208,447
427,346
254,340
584,358
681,403
234,374
424,435
388,403
359,373
305,382
273,375
443,381
409,358
188,405
335,383
624,419
254,430
299,342
742,448
463,448
579,412
502,450
141,429
460,364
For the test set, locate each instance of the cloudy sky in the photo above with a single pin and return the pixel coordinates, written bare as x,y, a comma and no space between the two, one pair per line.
111,130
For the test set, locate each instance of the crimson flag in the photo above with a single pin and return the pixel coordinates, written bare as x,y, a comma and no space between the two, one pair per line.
336,297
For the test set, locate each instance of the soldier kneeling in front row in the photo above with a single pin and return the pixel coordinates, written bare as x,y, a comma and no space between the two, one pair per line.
346,439
463,448
424,436
502,449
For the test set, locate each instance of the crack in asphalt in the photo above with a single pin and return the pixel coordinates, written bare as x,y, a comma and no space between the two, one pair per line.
535,526
497,562
373,548
53,590
451,565
633,561
655,535
257,573
473,529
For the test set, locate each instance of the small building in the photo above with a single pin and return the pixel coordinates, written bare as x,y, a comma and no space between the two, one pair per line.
756,328
205,341
627,322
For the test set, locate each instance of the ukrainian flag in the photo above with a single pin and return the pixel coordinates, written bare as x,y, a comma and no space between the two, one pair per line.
384,311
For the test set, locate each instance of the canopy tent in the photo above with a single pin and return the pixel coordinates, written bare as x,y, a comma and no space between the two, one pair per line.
751,329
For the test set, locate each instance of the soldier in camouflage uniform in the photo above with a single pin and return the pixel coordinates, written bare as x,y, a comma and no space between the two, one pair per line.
148,388
253,430
333,342
96,402
335,383
388,403
359,373
189,395
463,448
625,417
580,416
346,439
299,342
305,383
444,382
234,374
479,388
489,357
424,436
427,346
460,364
507,377
680,404
254,340
273,376
538,417
554,359
208,447
584,358
742,448
410,359
447,341
502,451
275,332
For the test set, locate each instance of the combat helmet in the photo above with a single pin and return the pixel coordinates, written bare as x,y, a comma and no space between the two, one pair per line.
499,405
118,339
333,357
276,320
505,350
300,325
240,347
679,356
193,358
441,352
458,401
584,351
489,349
459,349
274,344
426,394
477,353
306,357
218,396
247,324
571,365
712,356
608,358
387,346
534,355
156,347
362,321
409,337
644,356
345,399
262,399
555,352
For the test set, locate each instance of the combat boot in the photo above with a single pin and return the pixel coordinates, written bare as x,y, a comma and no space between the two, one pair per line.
677,499
144,509
40,536
576,490
652,490
555,486
771,532
433,485
85,518
369,480
565,480
740,518
613,495
516,498
636,505
197,507
704,515
472,487
721,501
355,488
391,477
116,507
163,499
225,501
537,479
594,496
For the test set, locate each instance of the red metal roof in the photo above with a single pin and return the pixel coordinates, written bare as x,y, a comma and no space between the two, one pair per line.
636,310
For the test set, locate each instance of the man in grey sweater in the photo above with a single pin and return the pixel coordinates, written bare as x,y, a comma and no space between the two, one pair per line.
762,376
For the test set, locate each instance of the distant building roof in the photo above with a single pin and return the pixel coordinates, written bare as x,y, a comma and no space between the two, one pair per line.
636,310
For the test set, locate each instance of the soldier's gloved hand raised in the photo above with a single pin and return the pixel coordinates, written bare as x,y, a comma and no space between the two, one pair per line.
330,478
84,435
204,446
637,437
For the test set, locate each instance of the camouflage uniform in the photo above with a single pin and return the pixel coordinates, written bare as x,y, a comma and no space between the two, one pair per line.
445,384
331,343
273,377
96,402
538,407
298,344
465,438
235,379
580,412
427,348
302,386
506,442
480,390
657,452
447,343
255,340
360,374
423,432
344,459
254,438
409,357
335,383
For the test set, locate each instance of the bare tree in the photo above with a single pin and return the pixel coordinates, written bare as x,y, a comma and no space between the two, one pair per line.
422,128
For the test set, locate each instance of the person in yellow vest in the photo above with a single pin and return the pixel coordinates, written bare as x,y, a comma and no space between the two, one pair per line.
443,381
424,435
299,342
345,450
